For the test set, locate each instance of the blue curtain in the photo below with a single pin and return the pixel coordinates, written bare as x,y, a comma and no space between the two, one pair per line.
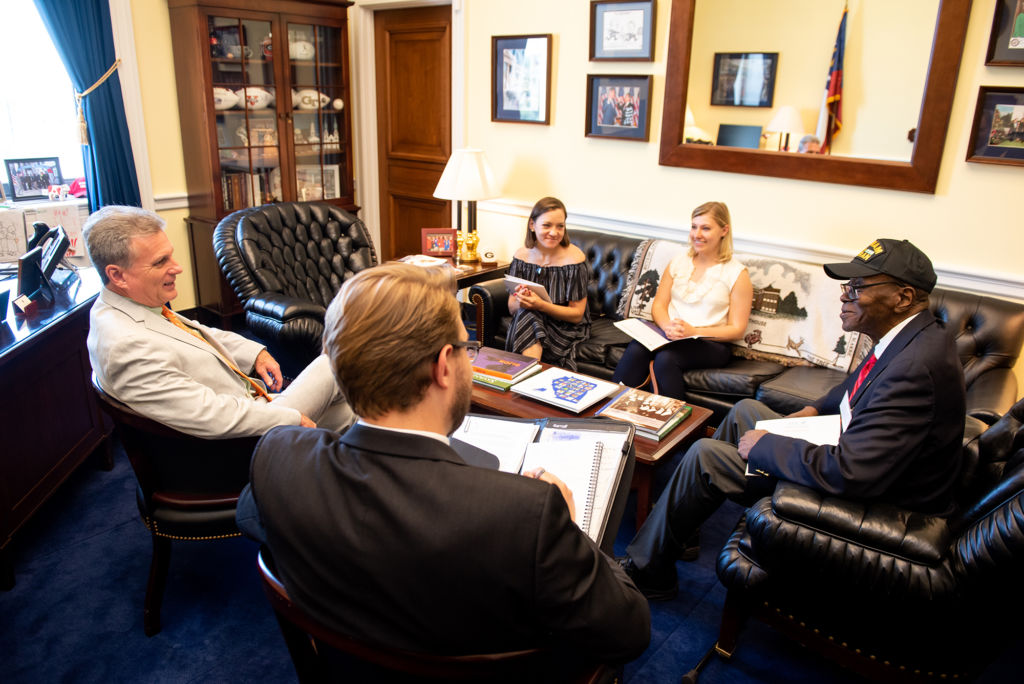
80,30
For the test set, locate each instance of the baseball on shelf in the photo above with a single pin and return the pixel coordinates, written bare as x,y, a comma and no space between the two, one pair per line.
338,104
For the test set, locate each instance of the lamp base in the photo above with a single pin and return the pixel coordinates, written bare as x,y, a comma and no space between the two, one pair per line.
468,250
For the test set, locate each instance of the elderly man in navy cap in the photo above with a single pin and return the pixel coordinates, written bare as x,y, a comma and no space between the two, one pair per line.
902,419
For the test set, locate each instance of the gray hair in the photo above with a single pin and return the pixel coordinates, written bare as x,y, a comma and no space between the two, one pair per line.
807,139
109,233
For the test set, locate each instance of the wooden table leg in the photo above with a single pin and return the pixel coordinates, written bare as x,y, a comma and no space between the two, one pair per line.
642,485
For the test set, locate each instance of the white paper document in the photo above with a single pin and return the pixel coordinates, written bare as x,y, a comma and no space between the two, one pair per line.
814,429
644,332
511,282
505,439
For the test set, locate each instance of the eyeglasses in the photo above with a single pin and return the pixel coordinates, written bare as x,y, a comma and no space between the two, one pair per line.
852,292
472,348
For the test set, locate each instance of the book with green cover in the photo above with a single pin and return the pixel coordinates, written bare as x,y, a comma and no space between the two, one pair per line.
503,384
653,414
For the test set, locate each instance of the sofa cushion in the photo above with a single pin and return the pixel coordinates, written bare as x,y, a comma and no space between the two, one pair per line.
740,378
798,387
605,345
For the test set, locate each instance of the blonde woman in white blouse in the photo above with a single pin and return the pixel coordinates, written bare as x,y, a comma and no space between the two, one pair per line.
703,302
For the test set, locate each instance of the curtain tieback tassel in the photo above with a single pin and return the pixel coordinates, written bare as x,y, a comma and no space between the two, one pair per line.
83,129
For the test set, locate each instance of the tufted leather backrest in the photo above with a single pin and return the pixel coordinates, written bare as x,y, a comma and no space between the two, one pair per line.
989,332
609,257
300,249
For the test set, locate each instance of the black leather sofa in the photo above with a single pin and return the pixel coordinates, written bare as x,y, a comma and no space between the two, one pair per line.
286,261
989,334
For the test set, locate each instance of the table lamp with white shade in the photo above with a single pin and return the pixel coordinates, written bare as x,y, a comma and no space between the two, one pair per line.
786,122
467,178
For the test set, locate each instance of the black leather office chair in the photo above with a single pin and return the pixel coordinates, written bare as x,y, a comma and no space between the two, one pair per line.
892,594
188,488
322,655
286,261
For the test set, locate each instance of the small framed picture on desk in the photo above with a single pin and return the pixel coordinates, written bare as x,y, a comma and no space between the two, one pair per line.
439,242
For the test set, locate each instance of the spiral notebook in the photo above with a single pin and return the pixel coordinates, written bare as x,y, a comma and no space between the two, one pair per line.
579,473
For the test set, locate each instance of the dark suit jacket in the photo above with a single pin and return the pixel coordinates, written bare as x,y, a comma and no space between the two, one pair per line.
904,441
392,538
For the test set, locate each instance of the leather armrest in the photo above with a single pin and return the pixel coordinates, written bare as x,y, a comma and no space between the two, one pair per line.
857,544
283,308
992,394
492,299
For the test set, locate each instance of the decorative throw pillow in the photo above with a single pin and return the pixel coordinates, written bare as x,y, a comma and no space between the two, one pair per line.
649,261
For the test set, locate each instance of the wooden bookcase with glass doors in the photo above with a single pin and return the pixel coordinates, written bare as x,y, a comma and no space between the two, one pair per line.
263,97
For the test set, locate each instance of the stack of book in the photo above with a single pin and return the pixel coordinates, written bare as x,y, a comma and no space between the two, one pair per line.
500,369
653,415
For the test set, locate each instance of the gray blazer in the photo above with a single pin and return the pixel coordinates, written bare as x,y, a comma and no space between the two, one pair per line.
166,374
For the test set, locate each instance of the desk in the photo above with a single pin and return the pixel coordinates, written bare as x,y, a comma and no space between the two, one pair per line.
648,452
51,419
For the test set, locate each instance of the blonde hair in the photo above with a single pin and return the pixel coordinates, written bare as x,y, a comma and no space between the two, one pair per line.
720,214
381,331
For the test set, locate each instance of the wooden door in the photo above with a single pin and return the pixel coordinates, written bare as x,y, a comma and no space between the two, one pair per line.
413,69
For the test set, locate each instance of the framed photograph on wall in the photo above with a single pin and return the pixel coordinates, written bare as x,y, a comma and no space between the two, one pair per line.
521,78
622,30
744,79
1006,43
997,136
439,242
618,107
32,178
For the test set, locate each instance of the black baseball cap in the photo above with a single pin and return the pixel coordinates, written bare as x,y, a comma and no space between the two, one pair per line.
897,258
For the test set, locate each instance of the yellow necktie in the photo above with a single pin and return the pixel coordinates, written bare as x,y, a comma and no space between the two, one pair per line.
257,390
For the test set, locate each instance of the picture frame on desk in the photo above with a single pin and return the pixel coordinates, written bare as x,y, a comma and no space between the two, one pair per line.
439,242
31,178
997,135
622,30
1006,42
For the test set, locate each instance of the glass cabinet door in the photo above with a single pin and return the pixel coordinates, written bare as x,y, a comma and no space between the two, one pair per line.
316,72
244,97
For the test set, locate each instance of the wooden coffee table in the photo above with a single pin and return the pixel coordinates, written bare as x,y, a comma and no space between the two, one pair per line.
648,452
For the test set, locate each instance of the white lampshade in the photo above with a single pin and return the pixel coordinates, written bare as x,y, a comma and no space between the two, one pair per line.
786,120
467,177
689,120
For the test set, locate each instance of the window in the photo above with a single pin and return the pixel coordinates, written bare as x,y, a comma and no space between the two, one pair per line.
37,103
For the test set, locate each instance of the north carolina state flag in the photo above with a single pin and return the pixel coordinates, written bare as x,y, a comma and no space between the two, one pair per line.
830,119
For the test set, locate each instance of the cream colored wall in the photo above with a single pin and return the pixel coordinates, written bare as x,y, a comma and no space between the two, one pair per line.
968,225
152,29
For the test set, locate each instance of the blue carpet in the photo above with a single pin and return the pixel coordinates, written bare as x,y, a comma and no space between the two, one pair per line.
75,614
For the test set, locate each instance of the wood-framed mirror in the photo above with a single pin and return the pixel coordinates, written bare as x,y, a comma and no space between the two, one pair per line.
919,174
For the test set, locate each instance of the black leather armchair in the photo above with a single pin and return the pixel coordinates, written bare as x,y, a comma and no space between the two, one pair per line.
896,595
285,262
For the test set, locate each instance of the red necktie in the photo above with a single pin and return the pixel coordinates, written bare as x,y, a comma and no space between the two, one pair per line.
253,386
865,369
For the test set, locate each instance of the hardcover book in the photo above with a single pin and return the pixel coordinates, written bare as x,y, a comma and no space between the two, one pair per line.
494,382
567,390
653,414
502,364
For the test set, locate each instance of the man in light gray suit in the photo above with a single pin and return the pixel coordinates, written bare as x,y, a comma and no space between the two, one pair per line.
174,370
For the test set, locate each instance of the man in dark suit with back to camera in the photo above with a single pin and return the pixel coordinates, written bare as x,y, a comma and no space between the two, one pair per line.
902,414
386,534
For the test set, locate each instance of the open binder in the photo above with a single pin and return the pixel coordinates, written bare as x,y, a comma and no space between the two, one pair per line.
588,454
